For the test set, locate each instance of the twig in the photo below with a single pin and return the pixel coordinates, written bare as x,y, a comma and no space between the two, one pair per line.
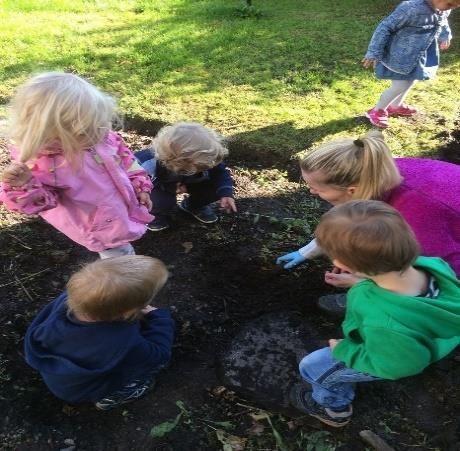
24,278
24,288
20,241
375,441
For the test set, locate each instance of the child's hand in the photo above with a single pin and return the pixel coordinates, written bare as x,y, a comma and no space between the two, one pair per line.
340,279
227,204
16,174
333,343
444,45
181,188
369,62
144,199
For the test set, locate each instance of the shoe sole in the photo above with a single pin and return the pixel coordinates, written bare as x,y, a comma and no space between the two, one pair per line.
374,123
329,422
196,217
157,230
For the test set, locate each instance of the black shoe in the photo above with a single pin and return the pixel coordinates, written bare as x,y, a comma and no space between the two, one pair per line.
301,398
204,214
129,393
158,224
335,304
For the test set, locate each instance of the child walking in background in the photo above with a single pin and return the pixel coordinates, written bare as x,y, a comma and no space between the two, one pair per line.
404,49
187,158
71,168
403,311
101,341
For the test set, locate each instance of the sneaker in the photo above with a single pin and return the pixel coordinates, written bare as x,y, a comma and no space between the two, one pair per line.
401,110
379,118
301,398
335,304
158,224
129,393
204,214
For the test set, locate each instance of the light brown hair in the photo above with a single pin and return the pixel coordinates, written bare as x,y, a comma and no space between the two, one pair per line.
107,289
368,236
365,163
189,147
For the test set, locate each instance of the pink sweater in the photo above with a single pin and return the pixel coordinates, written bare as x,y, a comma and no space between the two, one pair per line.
429,200
94,204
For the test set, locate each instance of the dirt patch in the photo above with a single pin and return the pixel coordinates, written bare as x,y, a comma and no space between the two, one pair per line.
223,277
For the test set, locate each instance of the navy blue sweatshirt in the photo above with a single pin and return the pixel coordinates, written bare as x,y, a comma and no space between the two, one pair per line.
84,361
218,175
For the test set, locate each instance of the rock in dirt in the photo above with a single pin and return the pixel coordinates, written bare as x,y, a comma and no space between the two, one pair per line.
261,362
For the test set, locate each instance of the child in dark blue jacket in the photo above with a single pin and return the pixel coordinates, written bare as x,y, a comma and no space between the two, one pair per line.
101,341
187,158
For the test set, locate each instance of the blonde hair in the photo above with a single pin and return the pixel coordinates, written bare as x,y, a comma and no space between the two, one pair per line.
188,147
365,162
368,236
107,289
56,109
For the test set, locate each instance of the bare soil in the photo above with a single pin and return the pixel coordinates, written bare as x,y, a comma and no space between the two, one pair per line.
223,277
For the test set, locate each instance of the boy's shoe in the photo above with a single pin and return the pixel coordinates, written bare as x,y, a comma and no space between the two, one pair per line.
204,214
301,398
158,224
401,110
379,118
129,393
335,304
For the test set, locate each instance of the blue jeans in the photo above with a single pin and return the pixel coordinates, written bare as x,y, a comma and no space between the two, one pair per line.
332,382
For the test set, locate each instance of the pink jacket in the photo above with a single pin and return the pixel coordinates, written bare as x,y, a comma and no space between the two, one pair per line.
95,203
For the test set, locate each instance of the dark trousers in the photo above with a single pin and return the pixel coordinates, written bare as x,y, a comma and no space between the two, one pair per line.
200,194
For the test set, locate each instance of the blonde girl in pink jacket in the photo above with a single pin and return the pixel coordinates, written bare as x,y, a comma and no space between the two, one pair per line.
69,167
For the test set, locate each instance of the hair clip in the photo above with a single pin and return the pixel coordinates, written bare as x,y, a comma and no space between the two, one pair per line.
359,143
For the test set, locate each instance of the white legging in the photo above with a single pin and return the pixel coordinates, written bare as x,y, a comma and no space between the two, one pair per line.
395,94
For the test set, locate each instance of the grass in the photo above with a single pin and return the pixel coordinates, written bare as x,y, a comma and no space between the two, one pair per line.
279,82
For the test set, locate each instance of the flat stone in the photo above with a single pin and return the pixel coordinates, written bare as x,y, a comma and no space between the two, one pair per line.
261,362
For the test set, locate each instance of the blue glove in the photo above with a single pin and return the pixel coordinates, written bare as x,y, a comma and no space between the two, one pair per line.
292,259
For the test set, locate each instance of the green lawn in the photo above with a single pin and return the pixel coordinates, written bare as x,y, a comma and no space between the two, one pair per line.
280,82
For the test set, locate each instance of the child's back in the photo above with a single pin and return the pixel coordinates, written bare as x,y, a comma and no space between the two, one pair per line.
85,357
400,335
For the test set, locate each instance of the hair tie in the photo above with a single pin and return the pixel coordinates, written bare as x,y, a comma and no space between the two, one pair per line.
358,143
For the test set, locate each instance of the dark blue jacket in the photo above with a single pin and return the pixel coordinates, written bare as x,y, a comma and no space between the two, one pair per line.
219,175
83,361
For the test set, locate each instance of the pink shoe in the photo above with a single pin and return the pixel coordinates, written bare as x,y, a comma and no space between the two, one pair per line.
401,110
379,118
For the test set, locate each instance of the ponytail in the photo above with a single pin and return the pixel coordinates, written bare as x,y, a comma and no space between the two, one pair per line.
365,163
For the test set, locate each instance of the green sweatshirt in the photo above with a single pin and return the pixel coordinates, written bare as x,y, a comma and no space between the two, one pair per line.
390,335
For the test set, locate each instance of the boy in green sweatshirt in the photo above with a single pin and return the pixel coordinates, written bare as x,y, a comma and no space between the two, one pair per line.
403,311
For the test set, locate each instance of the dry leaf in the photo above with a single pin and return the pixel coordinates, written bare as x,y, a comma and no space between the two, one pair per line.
231,442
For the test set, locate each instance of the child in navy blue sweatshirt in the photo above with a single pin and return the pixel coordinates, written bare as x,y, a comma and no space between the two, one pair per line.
101,341
187,158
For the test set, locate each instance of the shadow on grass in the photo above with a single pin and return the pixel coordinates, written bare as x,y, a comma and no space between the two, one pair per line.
271,150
